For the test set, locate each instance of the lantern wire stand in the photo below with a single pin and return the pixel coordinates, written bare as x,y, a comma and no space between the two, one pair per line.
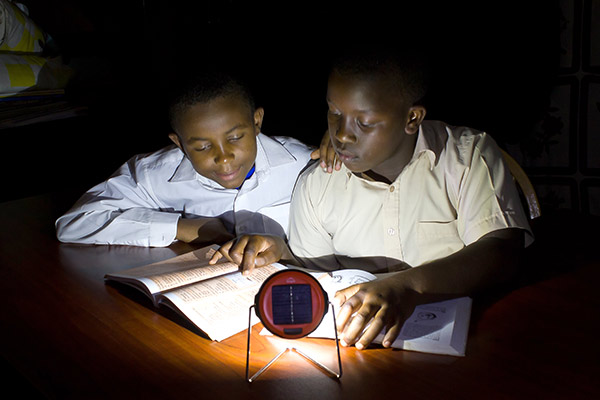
328,370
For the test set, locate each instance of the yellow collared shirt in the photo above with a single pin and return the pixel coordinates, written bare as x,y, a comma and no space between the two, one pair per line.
455,189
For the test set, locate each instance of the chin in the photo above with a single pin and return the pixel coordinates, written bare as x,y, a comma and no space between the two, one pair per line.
355,168
230,185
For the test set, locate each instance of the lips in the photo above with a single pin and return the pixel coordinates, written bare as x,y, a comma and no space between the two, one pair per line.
346,156
228,175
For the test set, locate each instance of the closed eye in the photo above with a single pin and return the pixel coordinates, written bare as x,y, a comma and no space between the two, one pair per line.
364,124
235,138
203,148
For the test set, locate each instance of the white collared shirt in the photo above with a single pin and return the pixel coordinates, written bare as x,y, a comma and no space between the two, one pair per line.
142,202
455,189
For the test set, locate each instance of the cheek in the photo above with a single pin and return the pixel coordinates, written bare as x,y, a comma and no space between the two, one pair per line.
200,162
374,146
246,152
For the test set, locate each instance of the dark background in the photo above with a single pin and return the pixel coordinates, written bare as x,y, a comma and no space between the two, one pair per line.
494,66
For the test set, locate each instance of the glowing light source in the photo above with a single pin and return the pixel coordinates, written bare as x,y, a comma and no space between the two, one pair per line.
291,304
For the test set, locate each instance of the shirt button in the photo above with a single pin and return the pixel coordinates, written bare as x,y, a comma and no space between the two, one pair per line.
391,231
392,188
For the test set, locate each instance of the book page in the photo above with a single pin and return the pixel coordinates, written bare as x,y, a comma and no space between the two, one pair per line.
437,328
178,271
220,306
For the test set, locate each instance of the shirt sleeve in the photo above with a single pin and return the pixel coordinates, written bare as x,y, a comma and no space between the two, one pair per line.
488,197
120,210
308,239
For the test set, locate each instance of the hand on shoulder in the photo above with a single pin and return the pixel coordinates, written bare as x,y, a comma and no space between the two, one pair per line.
326,153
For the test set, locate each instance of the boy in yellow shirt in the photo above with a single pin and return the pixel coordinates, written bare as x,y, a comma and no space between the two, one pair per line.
433,202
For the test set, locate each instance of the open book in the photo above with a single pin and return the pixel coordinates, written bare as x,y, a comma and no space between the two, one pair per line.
440,328
215,298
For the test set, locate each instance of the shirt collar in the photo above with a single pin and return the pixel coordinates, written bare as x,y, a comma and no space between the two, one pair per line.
429,143
269,153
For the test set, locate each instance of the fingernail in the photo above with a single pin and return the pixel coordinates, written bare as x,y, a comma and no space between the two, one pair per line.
359,346
387,343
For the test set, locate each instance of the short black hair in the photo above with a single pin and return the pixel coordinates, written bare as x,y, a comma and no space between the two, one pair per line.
407,68
203,88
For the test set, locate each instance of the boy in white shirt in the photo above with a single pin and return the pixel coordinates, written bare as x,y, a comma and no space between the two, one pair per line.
221,178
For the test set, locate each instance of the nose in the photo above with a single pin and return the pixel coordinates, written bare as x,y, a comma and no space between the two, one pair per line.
224,155
343,131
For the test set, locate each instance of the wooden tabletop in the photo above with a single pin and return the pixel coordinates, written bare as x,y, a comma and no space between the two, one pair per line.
68,334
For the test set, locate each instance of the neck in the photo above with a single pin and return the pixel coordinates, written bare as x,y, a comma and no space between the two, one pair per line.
391,168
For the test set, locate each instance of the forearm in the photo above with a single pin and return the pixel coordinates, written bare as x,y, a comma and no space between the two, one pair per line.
202,230
491,260
134,227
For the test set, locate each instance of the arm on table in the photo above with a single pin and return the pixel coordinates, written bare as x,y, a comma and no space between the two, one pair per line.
202,230
386,303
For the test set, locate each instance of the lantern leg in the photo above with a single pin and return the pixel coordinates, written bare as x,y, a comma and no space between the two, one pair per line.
337,375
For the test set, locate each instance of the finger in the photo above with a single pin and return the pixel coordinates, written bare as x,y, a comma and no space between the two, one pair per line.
249,261
371,332
325,159
348,304
391,334
338,164
259,251
331,158
236,250
315,155
222,252
344,316
358,324
339,299
216,257
324,151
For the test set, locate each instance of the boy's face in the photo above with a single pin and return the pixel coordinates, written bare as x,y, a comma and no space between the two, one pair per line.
219,138
370,126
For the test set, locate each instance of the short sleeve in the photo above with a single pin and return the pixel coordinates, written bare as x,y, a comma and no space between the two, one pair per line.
308,239
488,199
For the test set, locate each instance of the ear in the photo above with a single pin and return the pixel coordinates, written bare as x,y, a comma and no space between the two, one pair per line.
175,139
258,119
416,115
